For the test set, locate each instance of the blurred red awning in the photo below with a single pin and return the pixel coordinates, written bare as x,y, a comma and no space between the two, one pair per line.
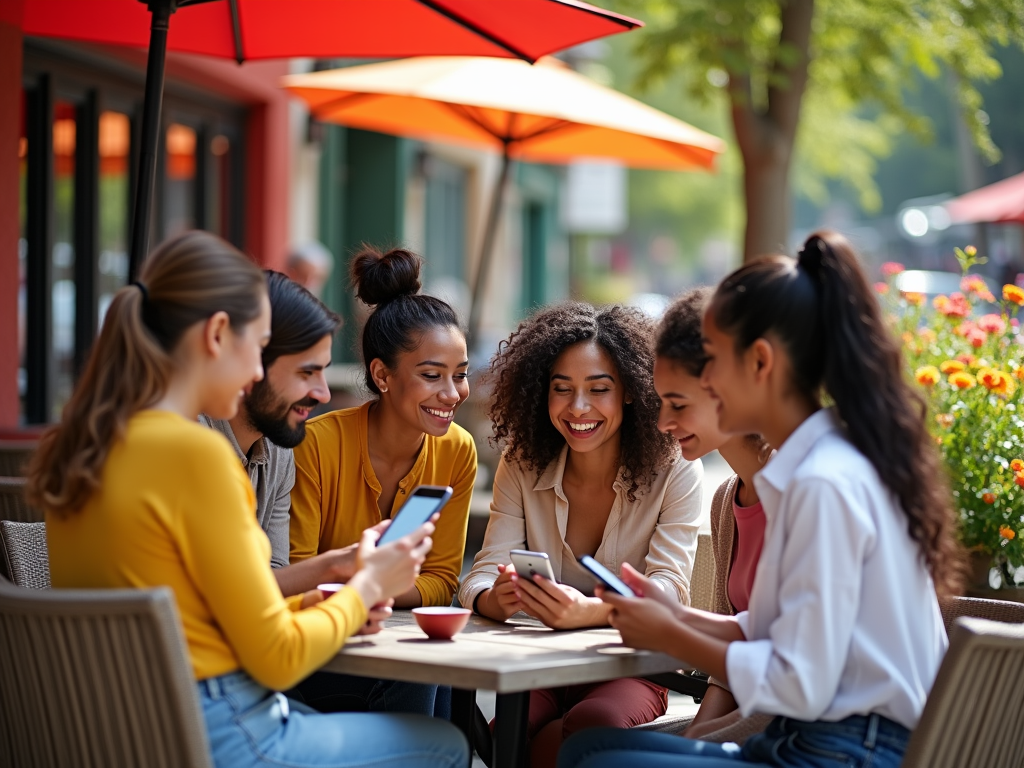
1002,202
265,29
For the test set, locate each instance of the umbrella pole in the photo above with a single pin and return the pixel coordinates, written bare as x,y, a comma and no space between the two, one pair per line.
145,182
487,249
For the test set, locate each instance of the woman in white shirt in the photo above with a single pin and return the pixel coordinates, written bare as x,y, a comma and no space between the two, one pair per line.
585,472
843,635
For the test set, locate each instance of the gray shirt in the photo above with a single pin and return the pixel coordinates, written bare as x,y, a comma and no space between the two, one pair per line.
271,470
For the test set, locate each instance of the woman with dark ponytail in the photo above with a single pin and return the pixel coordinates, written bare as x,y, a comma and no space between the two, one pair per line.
843,636
138,494
357,466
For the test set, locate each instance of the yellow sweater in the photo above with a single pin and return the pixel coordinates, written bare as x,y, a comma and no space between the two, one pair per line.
176,509
336,492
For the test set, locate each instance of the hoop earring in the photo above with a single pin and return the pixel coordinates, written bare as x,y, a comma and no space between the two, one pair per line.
383,390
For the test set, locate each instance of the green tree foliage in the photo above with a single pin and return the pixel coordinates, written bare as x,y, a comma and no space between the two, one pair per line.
817,65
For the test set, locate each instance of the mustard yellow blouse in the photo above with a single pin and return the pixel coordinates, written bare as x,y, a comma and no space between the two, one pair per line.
176,509
336,492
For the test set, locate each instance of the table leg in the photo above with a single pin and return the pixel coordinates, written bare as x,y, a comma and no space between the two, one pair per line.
510,718
463,712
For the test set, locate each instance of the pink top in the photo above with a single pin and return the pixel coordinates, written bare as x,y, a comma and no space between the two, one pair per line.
746,551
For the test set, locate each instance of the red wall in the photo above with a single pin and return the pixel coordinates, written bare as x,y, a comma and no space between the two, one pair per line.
254,85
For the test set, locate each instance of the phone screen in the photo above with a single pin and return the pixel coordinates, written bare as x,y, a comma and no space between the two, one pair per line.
423,503
606,577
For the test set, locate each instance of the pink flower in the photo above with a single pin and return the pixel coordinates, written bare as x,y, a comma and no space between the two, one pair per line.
954,306
976,337
891,268
992,324
882,288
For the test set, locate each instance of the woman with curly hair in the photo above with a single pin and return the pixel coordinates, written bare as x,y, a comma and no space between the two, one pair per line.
843,636
585,471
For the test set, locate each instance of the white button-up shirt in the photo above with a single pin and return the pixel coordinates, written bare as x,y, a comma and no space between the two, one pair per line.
843,617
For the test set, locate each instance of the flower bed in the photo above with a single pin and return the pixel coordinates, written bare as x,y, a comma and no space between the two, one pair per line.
966,353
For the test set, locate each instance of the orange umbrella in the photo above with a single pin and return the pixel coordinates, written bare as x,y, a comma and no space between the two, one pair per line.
543,113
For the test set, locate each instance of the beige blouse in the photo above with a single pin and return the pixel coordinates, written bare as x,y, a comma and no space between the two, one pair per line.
656,534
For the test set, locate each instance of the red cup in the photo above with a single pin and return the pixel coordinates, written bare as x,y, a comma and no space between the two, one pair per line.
441,623
329,589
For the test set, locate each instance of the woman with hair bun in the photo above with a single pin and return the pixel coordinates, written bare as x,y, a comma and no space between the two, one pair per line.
357,466
585,472
138,494
843,636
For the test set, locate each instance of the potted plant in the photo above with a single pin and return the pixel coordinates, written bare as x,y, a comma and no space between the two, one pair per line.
965,351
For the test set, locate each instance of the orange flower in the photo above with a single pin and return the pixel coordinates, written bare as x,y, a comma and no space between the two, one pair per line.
927,375
946,420
996,381
952,366
976,286
962,380
1013,293
1017,465
988,498
1007,532
913,298
882,288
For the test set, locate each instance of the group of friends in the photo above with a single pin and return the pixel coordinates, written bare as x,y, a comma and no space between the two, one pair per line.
832,539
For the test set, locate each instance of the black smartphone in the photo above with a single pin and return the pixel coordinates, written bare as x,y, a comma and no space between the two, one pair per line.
608,579
423,502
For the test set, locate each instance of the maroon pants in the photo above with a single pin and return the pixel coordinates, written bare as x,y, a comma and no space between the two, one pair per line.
557,713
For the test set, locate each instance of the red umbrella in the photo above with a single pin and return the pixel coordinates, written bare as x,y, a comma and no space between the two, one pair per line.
1002,202
262,29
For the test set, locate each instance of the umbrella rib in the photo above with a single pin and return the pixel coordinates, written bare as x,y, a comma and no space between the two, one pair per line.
236,31
467,114
478,30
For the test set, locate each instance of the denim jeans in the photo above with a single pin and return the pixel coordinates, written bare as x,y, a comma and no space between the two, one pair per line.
329,692
249,725
856,742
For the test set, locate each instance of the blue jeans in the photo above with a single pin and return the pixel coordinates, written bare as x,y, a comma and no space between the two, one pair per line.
249,725
857,742
329,692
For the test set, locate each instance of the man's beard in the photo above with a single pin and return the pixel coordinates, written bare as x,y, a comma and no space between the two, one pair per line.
267,413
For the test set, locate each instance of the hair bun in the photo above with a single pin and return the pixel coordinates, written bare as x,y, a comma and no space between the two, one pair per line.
380,277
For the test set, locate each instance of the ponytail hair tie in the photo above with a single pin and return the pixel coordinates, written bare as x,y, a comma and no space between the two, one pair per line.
811,255
142,289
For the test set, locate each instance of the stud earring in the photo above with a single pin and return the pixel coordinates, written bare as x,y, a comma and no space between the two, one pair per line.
383,390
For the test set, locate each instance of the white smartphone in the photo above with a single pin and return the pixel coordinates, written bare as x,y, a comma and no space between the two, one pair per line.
423,502
528,563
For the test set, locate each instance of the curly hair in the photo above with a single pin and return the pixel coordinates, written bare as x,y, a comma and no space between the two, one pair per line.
520,374
679,338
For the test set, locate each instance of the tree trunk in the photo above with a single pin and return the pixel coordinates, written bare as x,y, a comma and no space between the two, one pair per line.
766,134
767,198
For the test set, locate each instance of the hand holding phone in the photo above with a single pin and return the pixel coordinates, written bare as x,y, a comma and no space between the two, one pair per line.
607,579
423,502
528,563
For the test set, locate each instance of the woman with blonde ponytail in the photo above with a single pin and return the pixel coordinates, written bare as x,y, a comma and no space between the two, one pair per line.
138,494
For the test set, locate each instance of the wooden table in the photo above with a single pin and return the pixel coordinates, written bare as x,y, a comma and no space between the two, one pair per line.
511,659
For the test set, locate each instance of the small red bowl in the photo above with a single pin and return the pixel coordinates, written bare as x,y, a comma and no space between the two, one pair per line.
441,623
329,589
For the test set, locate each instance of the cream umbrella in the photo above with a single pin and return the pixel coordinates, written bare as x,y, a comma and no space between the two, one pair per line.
543,113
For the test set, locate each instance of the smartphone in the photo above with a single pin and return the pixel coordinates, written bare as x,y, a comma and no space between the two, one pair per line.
528,563
423,502
608,579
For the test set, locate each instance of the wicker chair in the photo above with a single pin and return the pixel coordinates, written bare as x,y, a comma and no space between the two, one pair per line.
97,679
23,555
975,712
14,456
12,502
